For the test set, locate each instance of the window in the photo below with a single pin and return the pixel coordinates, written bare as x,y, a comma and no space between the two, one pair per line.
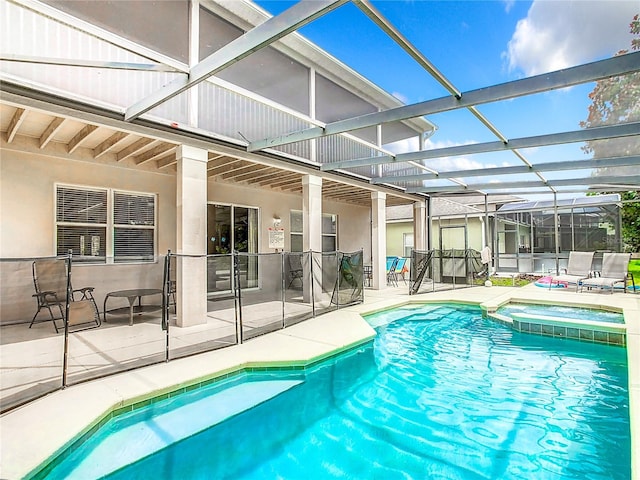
407,244
96,224
329,232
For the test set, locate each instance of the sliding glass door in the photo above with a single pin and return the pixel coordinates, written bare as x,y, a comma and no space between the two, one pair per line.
230,228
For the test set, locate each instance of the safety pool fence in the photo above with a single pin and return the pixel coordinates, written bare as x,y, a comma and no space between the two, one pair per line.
434,270
121,315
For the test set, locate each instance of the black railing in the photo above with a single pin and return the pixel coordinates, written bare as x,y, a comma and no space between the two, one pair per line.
247,295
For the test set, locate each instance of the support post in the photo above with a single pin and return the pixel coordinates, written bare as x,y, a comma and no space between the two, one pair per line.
311,231
191,291
379,239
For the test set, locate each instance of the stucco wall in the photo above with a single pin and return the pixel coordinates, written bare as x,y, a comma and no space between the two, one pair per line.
474,233
353,221
27,202
395,232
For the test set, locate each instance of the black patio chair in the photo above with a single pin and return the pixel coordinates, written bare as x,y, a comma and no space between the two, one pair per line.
50,283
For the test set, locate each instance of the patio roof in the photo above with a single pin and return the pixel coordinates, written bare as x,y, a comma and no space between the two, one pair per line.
141,138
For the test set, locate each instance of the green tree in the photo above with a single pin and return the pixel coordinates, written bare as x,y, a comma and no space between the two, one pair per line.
617,100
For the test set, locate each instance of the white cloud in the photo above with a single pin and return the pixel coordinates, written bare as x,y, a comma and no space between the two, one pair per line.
439,164
401,97
560,34
508,5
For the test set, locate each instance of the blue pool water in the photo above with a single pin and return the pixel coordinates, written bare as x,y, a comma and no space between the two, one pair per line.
441,393
576,313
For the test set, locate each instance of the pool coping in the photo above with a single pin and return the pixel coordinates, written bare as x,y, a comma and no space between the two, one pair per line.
46,427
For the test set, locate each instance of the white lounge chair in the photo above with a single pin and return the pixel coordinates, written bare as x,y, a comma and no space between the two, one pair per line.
615,267
578,269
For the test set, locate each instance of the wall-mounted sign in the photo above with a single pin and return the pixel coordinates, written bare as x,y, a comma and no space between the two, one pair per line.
276,238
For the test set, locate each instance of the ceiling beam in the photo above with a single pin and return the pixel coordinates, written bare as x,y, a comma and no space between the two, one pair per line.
81,136
255,170
286,180
109,144
166,161
279,178
566,182
515,169
584,135
259,37
225,166
134,148
620,65
17,119
50,131
154,153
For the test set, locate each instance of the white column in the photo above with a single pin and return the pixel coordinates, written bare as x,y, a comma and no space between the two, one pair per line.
379,239
191,220
420,230
312,229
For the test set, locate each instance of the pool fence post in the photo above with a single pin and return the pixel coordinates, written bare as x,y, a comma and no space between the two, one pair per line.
282,275
165,302
237,297
313,296
65,358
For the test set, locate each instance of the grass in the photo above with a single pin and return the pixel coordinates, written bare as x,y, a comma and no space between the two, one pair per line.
518,281
521,280
634,269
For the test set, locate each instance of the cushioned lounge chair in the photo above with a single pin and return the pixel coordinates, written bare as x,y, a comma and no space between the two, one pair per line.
615,267
578,269
391,271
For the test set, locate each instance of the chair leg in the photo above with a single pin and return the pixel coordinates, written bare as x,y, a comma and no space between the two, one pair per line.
53,318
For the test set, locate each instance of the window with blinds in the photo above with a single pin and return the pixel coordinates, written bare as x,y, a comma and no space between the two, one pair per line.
99,224
134,227
81,223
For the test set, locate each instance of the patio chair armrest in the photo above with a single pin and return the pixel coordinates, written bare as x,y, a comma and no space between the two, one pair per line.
42,296
87,293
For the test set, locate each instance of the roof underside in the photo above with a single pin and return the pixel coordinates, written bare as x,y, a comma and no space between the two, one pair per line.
141,129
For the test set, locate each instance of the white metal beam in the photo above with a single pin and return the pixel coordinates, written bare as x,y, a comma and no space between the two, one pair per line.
620,65
584,135
259,37
566,182
516,169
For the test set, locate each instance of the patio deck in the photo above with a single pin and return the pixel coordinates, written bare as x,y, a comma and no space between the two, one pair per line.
60,416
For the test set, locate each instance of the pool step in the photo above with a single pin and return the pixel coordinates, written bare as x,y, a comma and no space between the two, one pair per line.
126,444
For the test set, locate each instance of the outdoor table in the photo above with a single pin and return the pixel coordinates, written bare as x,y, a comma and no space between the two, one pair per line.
131,296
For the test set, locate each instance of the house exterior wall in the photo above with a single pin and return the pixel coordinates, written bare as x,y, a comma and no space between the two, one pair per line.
395,233
353,221
27,210
474,232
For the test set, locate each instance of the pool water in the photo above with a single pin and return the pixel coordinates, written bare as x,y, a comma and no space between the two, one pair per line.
441,393
575,313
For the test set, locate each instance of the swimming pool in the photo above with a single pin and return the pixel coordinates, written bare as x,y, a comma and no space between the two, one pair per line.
576,313
440,393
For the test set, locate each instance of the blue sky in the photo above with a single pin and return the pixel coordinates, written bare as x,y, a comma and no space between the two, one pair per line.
477,44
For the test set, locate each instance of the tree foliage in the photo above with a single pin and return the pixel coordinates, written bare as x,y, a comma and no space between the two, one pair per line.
616,100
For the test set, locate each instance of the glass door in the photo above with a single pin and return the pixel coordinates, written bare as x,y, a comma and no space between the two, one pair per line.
231,228
245,239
